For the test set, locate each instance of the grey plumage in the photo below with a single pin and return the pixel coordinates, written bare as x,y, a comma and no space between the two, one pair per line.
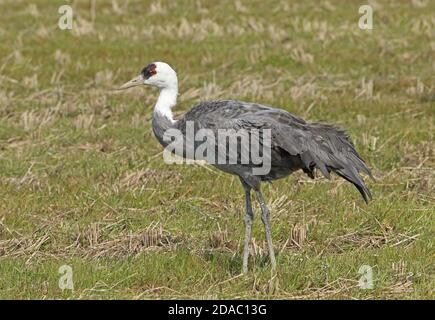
296,144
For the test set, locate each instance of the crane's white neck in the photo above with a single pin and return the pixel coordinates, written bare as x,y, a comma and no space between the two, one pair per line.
166,101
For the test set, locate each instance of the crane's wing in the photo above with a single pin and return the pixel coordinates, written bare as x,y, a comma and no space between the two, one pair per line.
318,145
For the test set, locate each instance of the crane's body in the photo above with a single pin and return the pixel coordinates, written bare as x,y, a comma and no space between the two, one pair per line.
294,143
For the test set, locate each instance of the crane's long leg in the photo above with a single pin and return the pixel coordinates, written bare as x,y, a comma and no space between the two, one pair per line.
265,217
249,217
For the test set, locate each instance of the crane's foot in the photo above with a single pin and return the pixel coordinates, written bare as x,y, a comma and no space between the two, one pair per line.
273,283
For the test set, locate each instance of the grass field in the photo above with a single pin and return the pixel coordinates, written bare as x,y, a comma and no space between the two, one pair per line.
82,181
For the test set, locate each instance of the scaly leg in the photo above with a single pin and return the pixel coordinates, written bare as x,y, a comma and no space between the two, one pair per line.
249,217
265,217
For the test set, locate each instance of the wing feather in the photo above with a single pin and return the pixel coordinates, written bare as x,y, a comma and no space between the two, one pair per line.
318,145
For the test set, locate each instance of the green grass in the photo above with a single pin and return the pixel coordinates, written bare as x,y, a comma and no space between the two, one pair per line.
82,181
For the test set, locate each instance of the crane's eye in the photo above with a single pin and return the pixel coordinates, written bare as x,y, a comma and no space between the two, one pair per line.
149,70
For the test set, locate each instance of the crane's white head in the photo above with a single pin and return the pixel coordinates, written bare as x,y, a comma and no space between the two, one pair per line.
157,74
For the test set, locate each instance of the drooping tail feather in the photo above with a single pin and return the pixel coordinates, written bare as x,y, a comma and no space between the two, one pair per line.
326,148
356,180
343,159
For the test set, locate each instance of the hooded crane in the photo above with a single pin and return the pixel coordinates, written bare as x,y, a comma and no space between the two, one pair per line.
295,144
